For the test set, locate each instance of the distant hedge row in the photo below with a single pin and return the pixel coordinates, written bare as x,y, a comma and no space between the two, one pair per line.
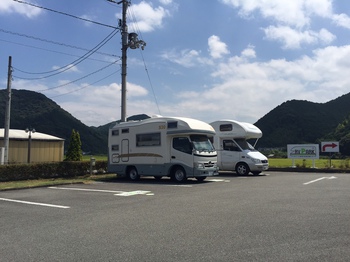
48,170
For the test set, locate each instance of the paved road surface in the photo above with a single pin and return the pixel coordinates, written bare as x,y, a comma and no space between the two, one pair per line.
272,217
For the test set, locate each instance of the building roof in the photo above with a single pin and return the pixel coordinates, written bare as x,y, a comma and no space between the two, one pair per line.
23,135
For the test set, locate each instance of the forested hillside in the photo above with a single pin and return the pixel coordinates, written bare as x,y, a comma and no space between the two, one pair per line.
292,122
31,109
297,121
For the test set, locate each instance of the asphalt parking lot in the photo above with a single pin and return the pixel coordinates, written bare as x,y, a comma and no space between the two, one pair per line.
272,217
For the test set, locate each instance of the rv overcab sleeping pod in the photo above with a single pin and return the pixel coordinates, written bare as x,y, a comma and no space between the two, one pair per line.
234,152
162,146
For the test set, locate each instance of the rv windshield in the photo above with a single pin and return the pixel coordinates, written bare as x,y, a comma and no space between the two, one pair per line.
201,143
244,144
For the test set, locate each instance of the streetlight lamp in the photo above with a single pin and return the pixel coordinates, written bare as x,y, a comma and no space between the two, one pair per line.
30,131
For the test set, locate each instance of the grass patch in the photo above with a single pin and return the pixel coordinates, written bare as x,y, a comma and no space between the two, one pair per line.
308,163
56,181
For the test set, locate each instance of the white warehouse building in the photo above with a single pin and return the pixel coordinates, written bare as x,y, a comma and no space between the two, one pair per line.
43,147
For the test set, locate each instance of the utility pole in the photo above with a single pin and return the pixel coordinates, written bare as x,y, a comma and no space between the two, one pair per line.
8,111
124,33
128,40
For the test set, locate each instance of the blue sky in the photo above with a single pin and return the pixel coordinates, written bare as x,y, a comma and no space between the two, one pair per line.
209,60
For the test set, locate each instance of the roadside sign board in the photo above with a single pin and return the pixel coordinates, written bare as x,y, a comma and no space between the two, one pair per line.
303,151
329,146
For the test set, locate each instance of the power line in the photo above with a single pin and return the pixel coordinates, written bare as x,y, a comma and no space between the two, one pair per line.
53,51
62,13
74,63
137,29
51,42
76,80
75,90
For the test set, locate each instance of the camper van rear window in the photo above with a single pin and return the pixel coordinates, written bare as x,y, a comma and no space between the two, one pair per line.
226,127
115,132
150,139
172,124
125,130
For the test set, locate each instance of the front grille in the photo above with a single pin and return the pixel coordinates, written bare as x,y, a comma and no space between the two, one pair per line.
209,164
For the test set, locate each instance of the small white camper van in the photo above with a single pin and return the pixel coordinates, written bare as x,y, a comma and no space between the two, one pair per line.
234,152
162,146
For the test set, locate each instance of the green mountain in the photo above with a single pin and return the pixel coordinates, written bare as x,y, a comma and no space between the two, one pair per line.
292,122
31,109
341,134
296,121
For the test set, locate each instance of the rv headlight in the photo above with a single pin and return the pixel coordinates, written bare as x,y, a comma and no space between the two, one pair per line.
200,165
256,161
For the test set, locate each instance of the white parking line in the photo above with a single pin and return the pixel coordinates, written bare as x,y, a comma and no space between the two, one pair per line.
116,193
219,180
33,203
84,189
318,179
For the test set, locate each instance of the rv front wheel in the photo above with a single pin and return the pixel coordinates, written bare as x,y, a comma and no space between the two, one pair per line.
132,174
179,174
201,178
242,169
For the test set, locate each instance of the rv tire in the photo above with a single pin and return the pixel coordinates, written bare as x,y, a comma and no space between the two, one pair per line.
242,169
179,174
132,174
201,178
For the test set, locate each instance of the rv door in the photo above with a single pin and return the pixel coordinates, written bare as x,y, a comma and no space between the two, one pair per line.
181,151
125,150
230,154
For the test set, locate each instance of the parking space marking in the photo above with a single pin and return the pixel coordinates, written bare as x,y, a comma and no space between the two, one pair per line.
319,179
133,193
179,185
116,193
85,189
32,203
219,180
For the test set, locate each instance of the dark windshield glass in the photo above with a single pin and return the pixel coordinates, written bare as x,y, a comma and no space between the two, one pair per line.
201,143
244,144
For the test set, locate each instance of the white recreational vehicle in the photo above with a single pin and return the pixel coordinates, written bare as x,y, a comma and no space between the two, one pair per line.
162,146
234,152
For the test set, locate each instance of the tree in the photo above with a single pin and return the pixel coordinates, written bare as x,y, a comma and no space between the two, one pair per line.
74,152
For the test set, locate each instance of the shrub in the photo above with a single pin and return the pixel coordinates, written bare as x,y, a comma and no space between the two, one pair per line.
48,170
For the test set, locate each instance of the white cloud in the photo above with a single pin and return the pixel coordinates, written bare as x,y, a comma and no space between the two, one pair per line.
245,86
295,13
166,2
217,48
342,20
292,38
291,21
68,68
249,52
186,58
148,18
10,7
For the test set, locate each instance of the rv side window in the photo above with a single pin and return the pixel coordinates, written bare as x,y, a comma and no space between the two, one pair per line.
182,144
115,147
229,145
125,130
172,124
115,132
151,139
226,127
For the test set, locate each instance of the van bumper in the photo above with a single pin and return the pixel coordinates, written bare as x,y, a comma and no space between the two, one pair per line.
259,167
206,172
